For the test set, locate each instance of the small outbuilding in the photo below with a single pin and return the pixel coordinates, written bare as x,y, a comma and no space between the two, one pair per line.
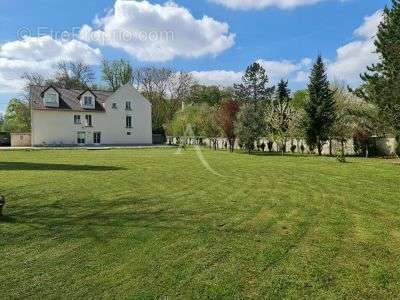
21,140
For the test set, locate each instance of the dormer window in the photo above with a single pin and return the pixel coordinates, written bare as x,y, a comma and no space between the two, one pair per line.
128,105
88,101
50,97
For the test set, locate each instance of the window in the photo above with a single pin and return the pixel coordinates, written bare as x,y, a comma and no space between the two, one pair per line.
77,119
96,137
50,97
87,101
88,119
128,105
128,121
114,106
129,133
81,138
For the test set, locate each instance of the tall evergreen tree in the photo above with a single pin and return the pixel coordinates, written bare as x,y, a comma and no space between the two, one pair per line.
381,84
320,109
254,86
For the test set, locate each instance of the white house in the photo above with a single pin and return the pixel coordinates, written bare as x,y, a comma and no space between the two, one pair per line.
62,117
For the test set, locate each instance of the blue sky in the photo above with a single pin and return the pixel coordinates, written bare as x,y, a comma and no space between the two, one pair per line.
216,49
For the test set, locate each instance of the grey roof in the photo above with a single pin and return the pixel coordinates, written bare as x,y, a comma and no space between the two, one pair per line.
69,99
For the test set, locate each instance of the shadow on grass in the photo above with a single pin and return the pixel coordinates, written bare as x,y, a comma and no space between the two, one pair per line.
25,166
120,218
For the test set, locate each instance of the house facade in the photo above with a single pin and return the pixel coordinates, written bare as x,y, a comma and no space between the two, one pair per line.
62,117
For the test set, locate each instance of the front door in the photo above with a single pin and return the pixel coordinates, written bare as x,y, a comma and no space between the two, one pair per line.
97,138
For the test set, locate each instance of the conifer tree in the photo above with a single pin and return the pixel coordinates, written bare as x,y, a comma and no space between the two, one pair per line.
320,109
254,87
381,83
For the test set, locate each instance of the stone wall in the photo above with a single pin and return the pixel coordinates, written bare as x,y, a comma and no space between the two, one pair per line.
385,145
20,139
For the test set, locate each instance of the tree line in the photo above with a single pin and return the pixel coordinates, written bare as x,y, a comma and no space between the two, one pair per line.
322,112
254,109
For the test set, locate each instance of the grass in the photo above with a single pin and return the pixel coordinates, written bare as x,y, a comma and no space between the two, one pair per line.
151,223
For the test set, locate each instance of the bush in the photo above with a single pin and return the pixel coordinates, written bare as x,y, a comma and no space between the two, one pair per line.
293,148
341,156
302,149
262,147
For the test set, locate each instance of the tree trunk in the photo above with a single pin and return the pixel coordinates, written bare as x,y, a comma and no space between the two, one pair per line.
319,146
342,142
319,149
330,147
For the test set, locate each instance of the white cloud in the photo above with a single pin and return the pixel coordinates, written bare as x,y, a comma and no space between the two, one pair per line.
276,70
154,32
370,26
39,54
260,4
284,69
353,58
217,77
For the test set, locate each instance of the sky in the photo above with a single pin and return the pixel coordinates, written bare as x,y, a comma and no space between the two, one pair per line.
215,40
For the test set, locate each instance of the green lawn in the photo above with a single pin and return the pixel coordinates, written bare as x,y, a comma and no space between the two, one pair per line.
151,224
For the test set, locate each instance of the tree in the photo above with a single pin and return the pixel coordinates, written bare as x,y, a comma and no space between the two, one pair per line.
17,117
154,83
1,121
208,124
254,86
381,83
346,117
33,79
186,124
73,75
300,98
116,73
320,109
180,87
250,125
226,118
279,114
210,95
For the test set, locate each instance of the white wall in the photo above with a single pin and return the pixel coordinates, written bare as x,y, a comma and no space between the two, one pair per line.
58,128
